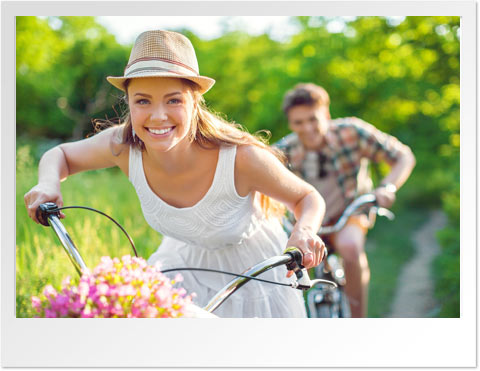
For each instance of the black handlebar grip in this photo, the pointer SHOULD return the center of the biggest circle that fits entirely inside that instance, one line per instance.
(44, 210)
(297, 257)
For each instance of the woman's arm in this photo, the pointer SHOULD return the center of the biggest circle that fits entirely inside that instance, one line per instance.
(257, 169)
(69, 158)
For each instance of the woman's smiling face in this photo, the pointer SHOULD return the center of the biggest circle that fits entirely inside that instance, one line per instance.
(161, 110)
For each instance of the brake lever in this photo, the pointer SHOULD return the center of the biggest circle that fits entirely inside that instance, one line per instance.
(325, 282)
(303, 281)
(385, 212)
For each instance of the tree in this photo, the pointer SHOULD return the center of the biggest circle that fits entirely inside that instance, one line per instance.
(60, 93)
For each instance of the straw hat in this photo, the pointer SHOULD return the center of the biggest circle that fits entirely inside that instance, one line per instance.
(162, 54)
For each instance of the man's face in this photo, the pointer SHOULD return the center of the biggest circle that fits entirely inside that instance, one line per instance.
(310, 123)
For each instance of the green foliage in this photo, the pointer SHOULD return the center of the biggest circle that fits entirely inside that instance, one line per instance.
(31, 54)
(61, 72)
(447, 271)
(446, 266)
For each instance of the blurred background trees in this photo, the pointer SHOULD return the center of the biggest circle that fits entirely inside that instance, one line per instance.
(400, 74)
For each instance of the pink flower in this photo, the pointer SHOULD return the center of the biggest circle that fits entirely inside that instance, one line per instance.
(83, 288)
(150, 312)
(117, 310)
(36, 303)
(116, 288)
(77, 306)
(66, 281)
(87, 312)
(49, 291)
(102, 289)
(163, 296)
(63, 312)
(136, 312)
(50, 313)
(145, 291)
(178, 278)
(126, 290)
(62, 300)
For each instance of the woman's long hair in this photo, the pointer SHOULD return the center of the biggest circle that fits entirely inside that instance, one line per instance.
(210, 130)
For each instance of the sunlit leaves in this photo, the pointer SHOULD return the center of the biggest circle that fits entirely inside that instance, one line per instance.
(308, 50)
(37, 45)
(393, 41)
(62, 63)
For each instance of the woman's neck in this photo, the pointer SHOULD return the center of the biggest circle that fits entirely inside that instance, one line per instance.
(179, 159)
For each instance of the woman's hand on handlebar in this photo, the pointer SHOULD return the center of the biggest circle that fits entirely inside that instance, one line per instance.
(42, 192)
(311, 246)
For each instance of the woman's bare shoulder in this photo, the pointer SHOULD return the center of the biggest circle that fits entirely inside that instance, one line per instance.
(119, 150)
(116, 143)
(249, 155)
(253, 162)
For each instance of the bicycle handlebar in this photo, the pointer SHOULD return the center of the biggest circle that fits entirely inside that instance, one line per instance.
(365, 199)
(292, 258)
(238, 282)
(368, 198)
(48, 215)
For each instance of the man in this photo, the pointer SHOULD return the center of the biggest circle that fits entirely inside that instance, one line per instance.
(333, 156)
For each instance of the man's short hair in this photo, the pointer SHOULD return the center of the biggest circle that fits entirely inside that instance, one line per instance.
(305, 93)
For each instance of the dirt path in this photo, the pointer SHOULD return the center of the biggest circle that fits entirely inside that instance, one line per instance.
(414, 296)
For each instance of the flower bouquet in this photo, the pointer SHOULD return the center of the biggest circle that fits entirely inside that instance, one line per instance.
(126, 287)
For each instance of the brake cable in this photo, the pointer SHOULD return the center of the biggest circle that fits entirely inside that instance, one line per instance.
(228, 273)
(51, 211)
(292, 284)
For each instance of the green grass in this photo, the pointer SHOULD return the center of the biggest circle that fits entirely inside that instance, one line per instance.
(446, 266)
(389, 247)
(40, 258)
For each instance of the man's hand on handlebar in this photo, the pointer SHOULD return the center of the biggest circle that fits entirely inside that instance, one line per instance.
(311, 246)
(385, 197)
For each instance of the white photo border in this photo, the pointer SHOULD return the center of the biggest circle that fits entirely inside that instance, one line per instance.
(432, 342)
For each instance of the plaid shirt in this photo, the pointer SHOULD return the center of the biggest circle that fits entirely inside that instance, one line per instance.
(350, 143)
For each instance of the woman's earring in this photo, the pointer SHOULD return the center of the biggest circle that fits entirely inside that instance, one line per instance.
(133, 133)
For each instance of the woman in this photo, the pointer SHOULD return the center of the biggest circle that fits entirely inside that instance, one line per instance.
(203, 183)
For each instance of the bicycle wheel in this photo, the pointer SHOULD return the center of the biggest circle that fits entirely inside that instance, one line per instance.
(344, 311)
(318, 306)
(324, 310)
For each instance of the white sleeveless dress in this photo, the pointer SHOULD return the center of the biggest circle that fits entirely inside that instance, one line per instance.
(222, 231)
